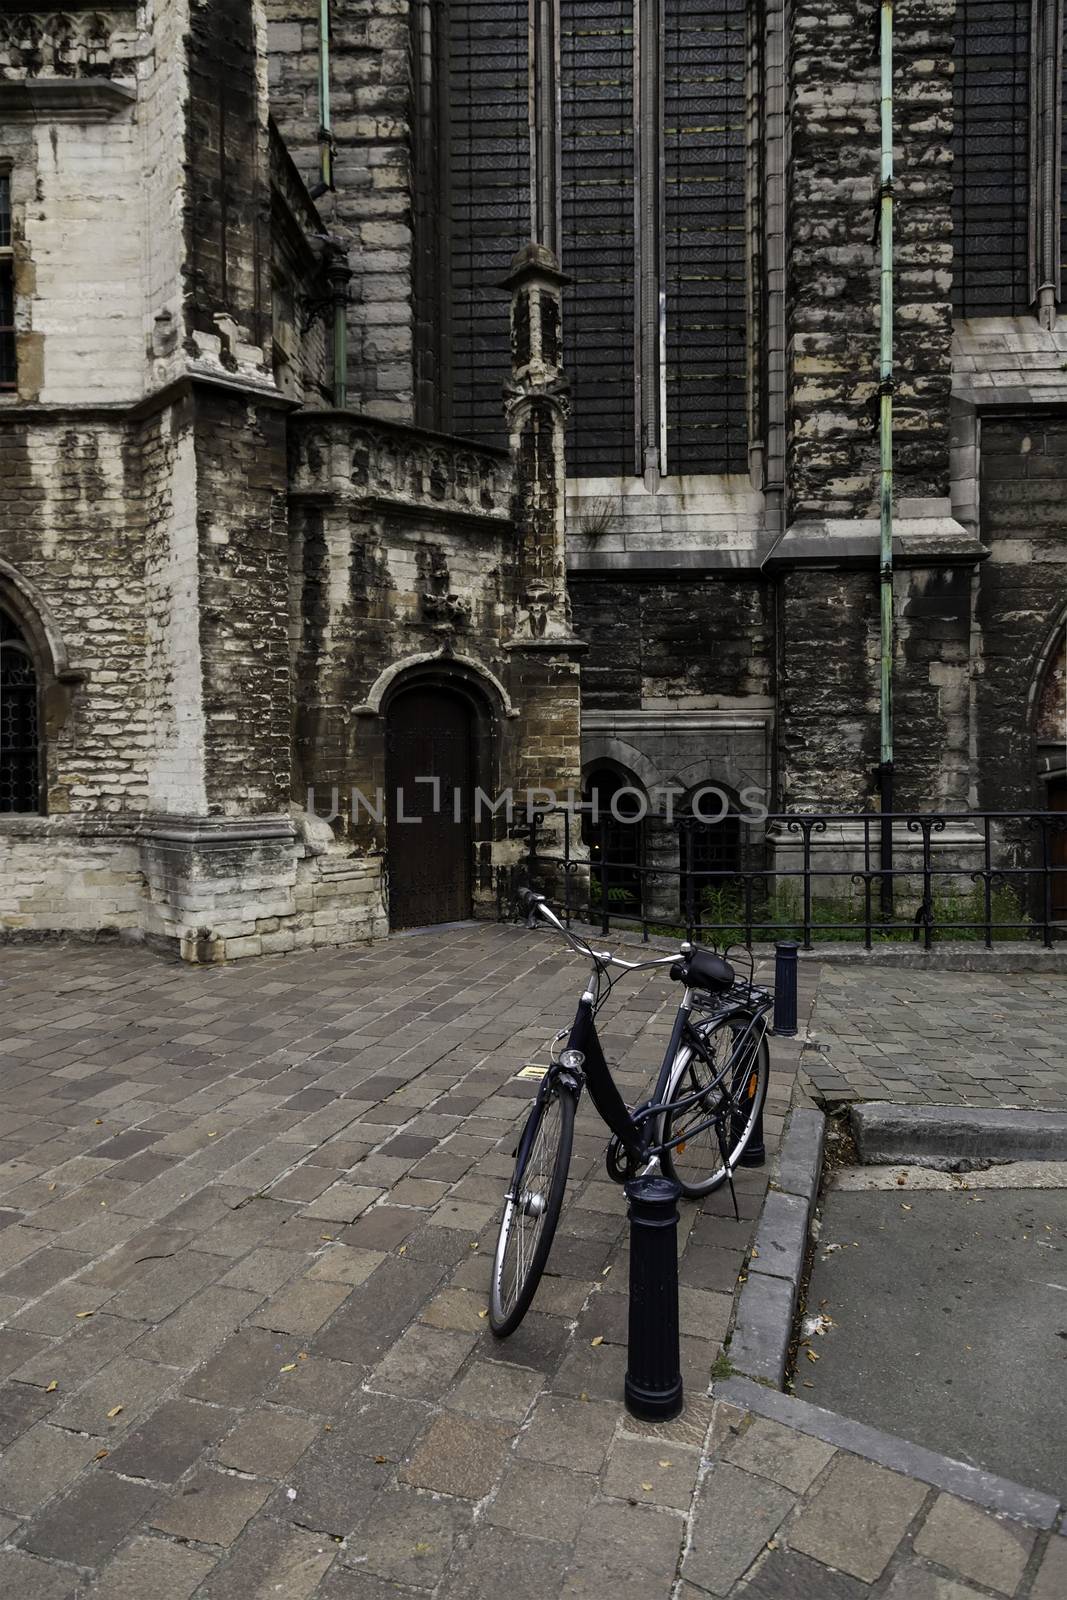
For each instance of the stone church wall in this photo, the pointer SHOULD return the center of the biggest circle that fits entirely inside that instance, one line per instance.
(372, 210)
(1022, 598)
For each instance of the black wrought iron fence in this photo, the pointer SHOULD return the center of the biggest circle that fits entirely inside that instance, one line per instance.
(920, 877)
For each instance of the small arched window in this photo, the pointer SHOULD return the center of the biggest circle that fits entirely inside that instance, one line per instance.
(612, 829)
(710, 859)
(20, 748)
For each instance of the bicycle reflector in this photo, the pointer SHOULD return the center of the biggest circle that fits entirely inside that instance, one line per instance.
(573, 1060)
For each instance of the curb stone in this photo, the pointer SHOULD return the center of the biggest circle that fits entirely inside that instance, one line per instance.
(929, 1135)
(763, 1323)
(981, 1488)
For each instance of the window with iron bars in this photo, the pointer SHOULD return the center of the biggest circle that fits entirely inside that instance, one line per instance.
(645, 206)
(1008, 211)
(8, 369)
(20, 748)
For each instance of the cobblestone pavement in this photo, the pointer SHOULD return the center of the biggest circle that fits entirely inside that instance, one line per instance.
(245, 1223)
(961, 1038)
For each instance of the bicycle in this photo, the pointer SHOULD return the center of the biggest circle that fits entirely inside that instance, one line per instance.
(711, 1087)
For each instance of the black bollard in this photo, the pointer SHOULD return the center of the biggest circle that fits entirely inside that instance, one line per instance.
(785, 988)
(653, 1370)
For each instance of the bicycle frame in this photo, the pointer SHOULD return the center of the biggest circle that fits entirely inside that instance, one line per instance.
(634, 1130)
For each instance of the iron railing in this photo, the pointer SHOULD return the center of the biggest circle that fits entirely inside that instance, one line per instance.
(982, 877)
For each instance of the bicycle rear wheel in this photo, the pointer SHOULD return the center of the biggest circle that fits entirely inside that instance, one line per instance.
(532, 1209)
(732, 1091)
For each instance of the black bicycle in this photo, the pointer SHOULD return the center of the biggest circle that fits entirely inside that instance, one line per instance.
(695, 1128)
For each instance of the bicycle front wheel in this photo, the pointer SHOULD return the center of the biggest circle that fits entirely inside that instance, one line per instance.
(732, 1085)
(531, 1210)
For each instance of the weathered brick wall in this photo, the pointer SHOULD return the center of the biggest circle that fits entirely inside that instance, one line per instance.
(834, 258)
(683, 643)
(161, 114)
(1022, 597)
(244, 627)
(69, 523)
(827, 689)
(302, 349)
(932, 688)
(922, 112)
(372, 208)
(59, 877)
(226, 257)
(81, 332)
(174, 712)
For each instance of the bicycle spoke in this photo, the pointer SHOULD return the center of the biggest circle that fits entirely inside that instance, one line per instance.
(712, 1132)
(528, 1210)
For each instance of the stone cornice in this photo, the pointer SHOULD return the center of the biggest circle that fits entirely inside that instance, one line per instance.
(63, 99)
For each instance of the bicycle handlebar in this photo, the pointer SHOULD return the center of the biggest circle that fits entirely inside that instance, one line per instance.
(535, 907)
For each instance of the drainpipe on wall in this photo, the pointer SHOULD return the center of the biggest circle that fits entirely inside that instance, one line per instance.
(335, 257)
(885, 391)
(325, 132)
(338, 276)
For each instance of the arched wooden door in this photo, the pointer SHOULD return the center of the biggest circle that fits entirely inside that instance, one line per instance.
(429, 735)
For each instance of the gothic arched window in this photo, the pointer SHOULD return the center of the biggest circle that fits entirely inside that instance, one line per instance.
(20, 749)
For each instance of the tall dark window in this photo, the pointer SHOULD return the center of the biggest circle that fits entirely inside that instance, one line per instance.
(20, 784)
(597, 160)
(8, 373)
(710, 859)
(614, 836)
(704, 206)
(485, 119)
(991, 158)
(1009, 211)
(651, 213)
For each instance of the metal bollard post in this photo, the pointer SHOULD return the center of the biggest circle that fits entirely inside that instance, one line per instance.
(785, 988)
(653, 1370)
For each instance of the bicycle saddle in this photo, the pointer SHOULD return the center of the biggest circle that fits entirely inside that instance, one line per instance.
(703, 969)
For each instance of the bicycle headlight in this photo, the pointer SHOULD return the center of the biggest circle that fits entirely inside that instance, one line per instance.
(572, 1059)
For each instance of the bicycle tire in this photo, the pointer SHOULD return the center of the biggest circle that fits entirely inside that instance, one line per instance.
(746, 1100)
(547, 1163)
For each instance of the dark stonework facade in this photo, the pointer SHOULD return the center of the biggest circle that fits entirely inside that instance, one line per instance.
(251, 546)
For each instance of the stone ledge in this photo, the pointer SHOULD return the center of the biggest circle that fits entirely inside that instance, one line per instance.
(63, 99)
(926, 539)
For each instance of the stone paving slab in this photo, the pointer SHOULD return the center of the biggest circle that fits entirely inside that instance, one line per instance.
(939, 1038)
(849, 1512)
(246, 1217)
